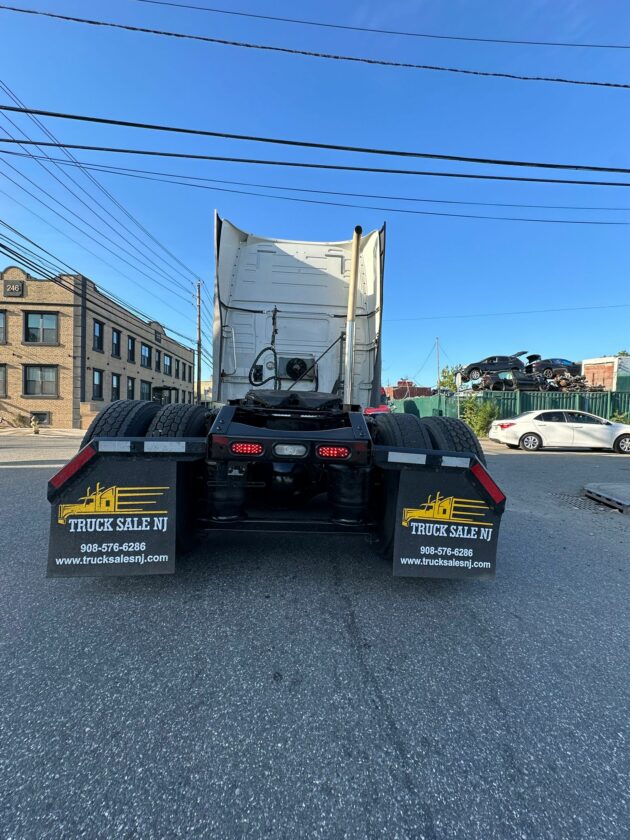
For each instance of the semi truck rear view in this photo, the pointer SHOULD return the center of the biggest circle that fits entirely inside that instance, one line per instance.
(296, 439)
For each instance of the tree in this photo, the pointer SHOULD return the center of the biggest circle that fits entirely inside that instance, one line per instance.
(447, 378)
(623, 353)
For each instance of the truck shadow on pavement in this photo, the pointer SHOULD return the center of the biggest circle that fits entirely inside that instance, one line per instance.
(273, 563)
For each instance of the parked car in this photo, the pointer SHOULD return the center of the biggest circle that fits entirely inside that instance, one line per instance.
(552, 367)
(493, 364)
(511, 380)
(534, 430)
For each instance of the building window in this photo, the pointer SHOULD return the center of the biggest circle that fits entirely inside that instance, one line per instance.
(131, 349)
(115, 386)
(41, 328)
(145, 356)
(176, 368)
(190, 373)
(158, 337)
(168, 365)
(97, 384)
(158, 359)
(116, 343)
(145, 390)
(97, 336)
(131, 388)
(183, 371)
(3, 327)
(3, 380)
(40, 380)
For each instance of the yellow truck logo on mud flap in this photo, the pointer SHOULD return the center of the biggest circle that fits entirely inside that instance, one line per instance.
(448, 509)
(124, 500)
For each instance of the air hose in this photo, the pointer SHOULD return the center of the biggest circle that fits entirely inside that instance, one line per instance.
(277, 385)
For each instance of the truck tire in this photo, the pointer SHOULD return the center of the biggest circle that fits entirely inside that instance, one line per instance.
(179, 420)
(183, 420)
(123, 418)
(454, 435)
(405, 431)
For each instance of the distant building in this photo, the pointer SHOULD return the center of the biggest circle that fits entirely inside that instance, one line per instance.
(613, 372)
(406, 389)
(206, 390)
(66, 350)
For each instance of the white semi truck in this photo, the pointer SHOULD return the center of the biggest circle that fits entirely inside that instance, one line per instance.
(296, 441)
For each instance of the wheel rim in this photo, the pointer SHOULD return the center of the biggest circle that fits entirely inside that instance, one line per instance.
(547, 373)
(624, 445)
(475, 374)
(530, 442)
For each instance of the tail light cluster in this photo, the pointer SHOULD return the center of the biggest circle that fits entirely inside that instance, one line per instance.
(246, 448)
(506, 425)
(254, 449)
(334, 453)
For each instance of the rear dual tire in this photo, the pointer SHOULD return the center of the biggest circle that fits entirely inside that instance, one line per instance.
(123, 418)
(179, 420)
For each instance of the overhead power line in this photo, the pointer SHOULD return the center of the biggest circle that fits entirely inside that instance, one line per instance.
(310, 144)
(512, 312)
(376, 31)
(93, 200)
(66, 235)
(116, 170)
(331, 166)
(131, 174)
(46, 268)
(84, 233)
(42, 161)
(404, 65)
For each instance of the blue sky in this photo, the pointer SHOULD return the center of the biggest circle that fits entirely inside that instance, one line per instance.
(435, 266)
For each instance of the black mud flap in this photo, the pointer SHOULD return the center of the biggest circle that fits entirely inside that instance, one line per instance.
(448, 514)
(116, 517)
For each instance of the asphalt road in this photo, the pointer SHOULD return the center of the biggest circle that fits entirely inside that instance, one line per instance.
(289, 688)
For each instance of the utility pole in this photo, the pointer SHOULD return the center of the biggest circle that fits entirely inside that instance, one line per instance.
(198, 342)
(437, 352)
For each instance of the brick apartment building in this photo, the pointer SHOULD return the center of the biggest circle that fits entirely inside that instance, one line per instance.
(66, 350)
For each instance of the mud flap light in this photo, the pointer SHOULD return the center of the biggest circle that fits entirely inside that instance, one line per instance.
(496, 494)
(73, 466)
(243, 448)
(334, 453)
(290, 450)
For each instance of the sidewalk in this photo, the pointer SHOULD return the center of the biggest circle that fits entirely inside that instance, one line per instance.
(44, 431)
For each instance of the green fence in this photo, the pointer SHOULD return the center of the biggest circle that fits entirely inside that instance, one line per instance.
(603, 403)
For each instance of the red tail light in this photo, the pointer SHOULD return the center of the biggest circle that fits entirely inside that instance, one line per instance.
(79, 460)
(242, 448)
(496, 494)
(334, 452)
(506, 425)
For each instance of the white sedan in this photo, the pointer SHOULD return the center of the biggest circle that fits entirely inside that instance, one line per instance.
(534, 429)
